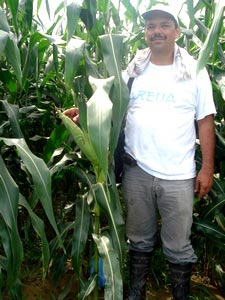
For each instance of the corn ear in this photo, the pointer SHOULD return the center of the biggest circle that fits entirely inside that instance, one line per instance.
(81, 138)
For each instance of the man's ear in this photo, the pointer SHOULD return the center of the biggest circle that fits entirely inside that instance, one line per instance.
(145, 34)
(177, 32)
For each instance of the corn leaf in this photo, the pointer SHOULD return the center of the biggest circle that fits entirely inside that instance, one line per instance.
(58, 135)
(4, 26)
(220, 219)
(73, 13)
(88, 287)
(220, 79)
(13, 55)
(74, 53)
(113, 288)
(81, 138)
(29, 13)
(3, 41)
(39, 228)
(9, 195)
(13, 115)
(190, 9)
(211, 230)
(9, 203)
(218, 203)
(13, 5)
(55, 242)
(99, 117)
(110, 209)
(112, 51)
(212, 36)
(41, 178)
(80, 233)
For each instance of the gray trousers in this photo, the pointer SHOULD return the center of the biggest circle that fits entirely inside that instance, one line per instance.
(147, 198)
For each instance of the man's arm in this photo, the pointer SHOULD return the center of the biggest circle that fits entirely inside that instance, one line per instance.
(204, 178)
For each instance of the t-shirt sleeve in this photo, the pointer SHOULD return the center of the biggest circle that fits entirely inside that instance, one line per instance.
(205, 102)
(125, 76)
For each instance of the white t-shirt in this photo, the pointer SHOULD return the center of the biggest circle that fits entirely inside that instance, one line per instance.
(160, 130)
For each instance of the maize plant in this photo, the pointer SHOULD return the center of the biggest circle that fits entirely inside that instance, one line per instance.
(57, 181)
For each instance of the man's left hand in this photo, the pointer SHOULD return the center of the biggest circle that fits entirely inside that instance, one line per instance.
(203, 183)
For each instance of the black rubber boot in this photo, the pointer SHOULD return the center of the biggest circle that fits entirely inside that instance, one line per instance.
(139, 269)
(180, 280)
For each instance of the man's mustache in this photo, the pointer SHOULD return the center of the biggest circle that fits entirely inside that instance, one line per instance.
(157, 37)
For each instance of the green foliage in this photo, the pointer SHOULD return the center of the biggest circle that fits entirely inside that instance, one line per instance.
(56, 177)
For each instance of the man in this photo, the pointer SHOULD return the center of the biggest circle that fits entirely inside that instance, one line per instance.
(167, 98)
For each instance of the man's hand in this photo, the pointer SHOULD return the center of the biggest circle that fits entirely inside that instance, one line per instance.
(204, 179)
(73, 114)
(203, 183)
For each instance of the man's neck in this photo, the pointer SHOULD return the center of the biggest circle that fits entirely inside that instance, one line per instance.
(162, 59)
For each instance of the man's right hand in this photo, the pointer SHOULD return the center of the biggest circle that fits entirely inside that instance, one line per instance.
(73, 114)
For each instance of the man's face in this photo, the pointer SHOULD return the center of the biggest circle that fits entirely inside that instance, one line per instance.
(161, 32)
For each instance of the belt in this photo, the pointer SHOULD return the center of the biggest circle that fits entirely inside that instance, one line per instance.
(129, 160)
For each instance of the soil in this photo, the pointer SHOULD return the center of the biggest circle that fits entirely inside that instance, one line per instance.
(36, 289)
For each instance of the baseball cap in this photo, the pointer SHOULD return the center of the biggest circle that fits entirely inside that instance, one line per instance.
(158, 8)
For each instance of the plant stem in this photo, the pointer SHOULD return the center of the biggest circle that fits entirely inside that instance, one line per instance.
(96, 255)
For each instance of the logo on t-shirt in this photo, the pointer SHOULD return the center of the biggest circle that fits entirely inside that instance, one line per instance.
(153, 96)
